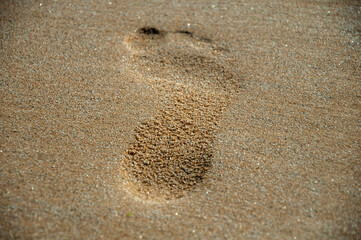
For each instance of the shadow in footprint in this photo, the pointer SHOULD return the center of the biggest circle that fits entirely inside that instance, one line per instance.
(172, 153)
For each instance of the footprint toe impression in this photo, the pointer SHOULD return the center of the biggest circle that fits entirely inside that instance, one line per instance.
(172, 152)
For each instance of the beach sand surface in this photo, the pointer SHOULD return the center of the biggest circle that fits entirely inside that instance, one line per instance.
(180, 119)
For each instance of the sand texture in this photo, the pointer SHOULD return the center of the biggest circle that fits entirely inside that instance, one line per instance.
(180, 119)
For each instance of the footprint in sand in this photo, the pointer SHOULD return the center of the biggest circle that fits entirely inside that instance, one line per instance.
(172, 152)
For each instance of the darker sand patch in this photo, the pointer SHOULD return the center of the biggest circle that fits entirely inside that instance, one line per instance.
(149, 31)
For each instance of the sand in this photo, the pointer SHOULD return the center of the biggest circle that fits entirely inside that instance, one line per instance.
(180, 120)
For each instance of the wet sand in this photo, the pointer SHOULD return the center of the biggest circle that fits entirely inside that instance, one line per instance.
(180, 120)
